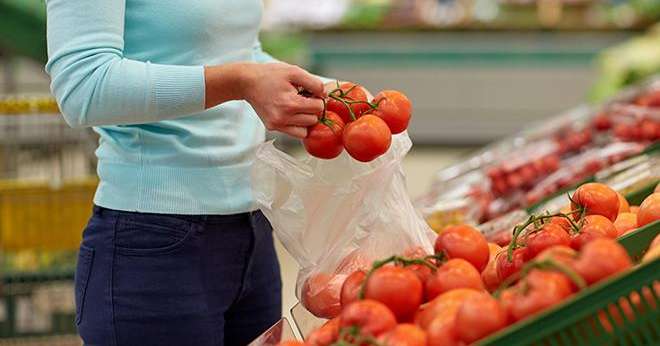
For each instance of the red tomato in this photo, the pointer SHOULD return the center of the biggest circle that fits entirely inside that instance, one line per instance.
(324, 140)
(464, 242)
(478, 317)
(602, 122)
(371, 317)
(404, 335)
(549, 235)
(448, 302)
(625, 222)
(598, 199)
(350, 290)
(320, 295)
(538, 291)
(600, 259)
(455, 273)
(356, 93)
(367, 138)
(624, 207)
(394, 108)
(650, 99)
(561, 222)
(649, 210)
(506, 268)
(559, 253)
(325, 335)
(442, 331)
(634, 209)
(595, 226)
(489, 274)
(387, 284)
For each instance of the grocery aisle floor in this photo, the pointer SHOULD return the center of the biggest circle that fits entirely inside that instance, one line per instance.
(420, 164)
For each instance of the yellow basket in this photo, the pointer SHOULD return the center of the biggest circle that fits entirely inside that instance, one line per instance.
(37, 216)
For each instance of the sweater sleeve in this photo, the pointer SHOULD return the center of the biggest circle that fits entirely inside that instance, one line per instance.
(94, 83)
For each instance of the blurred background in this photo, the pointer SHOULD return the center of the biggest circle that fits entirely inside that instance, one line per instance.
(475, 70)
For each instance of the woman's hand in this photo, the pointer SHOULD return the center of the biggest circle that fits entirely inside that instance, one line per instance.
(272, 90)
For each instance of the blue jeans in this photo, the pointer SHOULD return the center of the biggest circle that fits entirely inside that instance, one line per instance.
(155, 279)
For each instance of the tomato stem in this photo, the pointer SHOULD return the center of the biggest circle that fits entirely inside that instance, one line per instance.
(400, 260)
(533, 219)
(348, 106)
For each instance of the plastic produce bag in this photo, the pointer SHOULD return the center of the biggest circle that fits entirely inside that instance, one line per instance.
(337, 216)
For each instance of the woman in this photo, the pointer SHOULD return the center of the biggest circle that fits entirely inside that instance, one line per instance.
(174, 253)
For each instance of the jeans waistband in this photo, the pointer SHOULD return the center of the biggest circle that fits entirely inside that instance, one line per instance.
(201, 219)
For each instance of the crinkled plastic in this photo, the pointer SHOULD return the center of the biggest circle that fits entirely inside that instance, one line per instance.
(337, 216)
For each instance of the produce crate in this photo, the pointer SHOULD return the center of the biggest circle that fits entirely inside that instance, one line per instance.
(579, 320)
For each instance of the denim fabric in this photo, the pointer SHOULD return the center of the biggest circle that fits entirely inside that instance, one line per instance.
(160, 279)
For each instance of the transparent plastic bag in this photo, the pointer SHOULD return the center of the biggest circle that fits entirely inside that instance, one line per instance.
(337, 216)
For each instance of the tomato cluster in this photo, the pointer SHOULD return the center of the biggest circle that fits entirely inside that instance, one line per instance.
(469, 288)
(350, 121)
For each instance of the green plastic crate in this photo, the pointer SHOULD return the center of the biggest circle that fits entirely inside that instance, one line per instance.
(576, 321)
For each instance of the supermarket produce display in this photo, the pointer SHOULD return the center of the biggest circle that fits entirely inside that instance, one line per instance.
(380, 283)
(553, 264)
(520, 172)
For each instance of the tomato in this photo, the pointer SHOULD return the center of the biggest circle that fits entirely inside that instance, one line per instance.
(324, 140)
(354, 261)
(367, 138)
(562, 222)
(398, 288)
(291, 343)
(325, 335)
(394, 108)
(455, 273)
(448, 302)
(538, 291)
(651, 99)
(649, 210)
(478, 317)
(404, 335)
(657, 188)
(559, 253)
(598, 199)
(489, 274)
(549, 235)
(506, 268)
(634, 209)
(624, 206)
(595, 226)
(464, 242)
(320, 295)
(350, 290)
(600, 259)
(442, 331)
(371, 317)
(625, 222)
(356, 93)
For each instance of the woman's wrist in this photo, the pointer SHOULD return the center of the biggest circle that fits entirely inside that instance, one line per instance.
(228, 82)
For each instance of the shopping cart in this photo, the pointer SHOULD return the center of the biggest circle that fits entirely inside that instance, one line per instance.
(47, 183)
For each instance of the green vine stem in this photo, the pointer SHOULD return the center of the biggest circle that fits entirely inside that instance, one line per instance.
(534, 219)
(403, 261)
(350, 110)
(546, 264)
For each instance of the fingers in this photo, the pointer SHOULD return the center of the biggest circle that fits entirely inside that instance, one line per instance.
(307, 105)
(309, 82)
(294, 131)
(305, 120)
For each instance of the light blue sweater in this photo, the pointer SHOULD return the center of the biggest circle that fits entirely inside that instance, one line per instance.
(133, 69)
